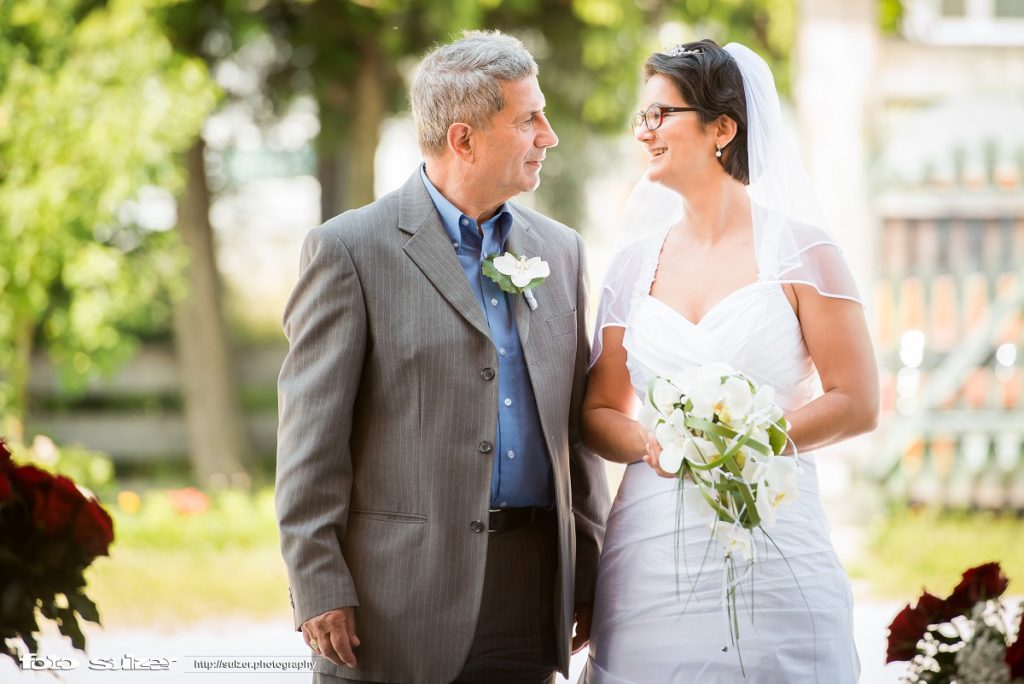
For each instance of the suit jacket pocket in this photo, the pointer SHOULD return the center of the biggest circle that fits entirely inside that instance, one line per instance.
(564, 324)
(387, 516)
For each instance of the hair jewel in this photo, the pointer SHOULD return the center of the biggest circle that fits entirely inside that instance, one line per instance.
(681, 49)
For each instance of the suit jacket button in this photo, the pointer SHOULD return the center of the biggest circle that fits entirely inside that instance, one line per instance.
(485, 447)
(476, 526)
(487, 373)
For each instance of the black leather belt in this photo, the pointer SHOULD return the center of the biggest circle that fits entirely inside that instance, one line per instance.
(508, 519)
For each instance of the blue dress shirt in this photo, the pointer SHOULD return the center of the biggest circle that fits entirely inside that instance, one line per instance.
(521, 473)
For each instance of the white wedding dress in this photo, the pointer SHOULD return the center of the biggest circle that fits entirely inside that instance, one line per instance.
(648, 628)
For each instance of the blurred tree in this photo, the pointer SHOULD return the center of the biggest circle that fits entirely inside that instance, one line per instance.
(218, 441)
(350, 55)
(94, 106)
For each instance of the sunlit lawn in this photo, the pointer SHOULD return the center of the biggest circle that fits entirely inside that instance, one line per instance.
(169, 568)
(908, 550)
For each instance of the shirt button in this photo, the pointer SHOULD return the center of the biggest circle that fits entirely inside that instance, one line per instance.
(485, 447)
(508, 402)
(502, 351)
(494, 302)
(465, 222)
(487, 374)
(476, 526)
(455, 245)
(511, 454)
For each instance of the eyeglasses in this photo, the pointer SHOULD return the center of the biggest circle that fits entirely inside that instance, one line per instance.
(655, 115)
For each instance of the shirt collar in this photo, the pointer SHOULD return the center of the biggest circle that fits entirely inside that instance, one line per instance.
(451, 217)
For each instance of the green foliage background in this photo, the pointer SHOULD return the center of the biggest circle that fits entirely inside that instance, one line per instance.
(94, 106)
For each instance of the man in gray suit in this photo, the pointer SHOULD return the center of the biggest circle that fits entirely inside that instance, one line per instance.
(439, 517)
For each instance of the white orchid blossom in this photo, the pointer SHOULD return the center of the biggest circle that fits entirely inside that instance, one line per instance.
(704, 387)
(671, 458)
(699, 450)
(735, 539)
(764, 399)
(522, 270)
(753, 470)
(665, 395)
(782, 476)
(677, 419)
(765, 509)
(734, 401)
(648, 416)
(668, 436)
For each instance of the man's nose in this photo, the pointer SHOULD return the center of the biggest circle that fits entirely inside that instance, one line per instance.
(546, 136)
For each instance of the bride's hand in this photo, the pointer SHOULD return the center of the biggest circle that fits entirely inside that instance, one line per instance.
(652, 452)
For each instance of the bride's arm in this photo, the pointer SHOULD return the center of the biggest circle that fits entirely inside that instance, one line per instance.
(837, 338)
(610, 401)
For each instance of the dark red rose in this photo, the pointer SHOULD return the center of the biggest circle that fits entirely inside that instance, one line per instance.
(54, 512)
(934, 609)
(93, 530)
(28, 478)
(984, 582)
(909, 626)
(6, 488)
(1015, 653)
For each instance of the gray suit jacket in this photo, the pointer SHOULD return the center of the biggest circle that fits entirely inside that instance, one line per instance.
(386, 397)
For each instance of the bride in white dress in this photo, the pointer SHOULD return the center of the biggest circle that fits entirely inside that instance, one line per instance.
(749, 276)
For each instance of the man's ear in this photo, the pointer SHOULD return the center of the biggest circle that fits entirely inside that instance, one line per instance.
(460, 141)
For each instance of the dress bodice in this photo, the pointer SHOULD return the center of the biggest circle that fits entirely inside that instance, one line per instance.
(754, 329)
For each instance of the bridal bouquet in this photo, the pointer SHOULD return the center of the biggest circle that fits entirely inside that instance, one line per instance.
(720, 430)
(963, 638)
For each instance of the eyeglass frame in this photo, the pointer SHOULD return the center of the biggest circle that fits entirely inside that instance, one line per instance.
(663, 110)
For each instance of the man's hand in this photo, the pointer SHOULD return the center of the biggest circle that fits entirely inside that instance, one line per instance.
(581, 616)
(333, 635)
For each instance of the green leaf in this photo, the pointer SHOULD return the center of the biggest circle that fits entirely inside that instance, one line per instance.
(84, 606)
(69, 627)
(776, 438)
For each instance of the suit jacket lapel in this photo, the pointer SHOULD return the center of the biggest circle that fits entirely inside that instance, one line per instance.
(521, 242)
(429, 247)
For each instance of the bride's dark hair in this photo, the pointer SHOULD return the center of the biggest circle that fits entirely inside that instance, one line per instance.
(708, 78)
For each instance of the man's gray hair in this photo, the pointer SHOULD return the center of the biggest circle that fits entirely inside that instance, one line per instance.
(461, 83)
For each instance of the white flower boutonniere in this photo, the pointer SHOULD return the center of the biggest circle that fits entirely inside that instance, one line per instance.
(517, 274)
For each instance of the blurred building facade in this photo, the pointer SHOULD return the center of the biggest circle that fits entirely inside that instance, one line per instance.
(916, 141)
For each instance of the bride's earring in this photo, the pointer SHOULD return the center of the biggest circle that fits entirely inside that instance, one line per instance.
(718, 151)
